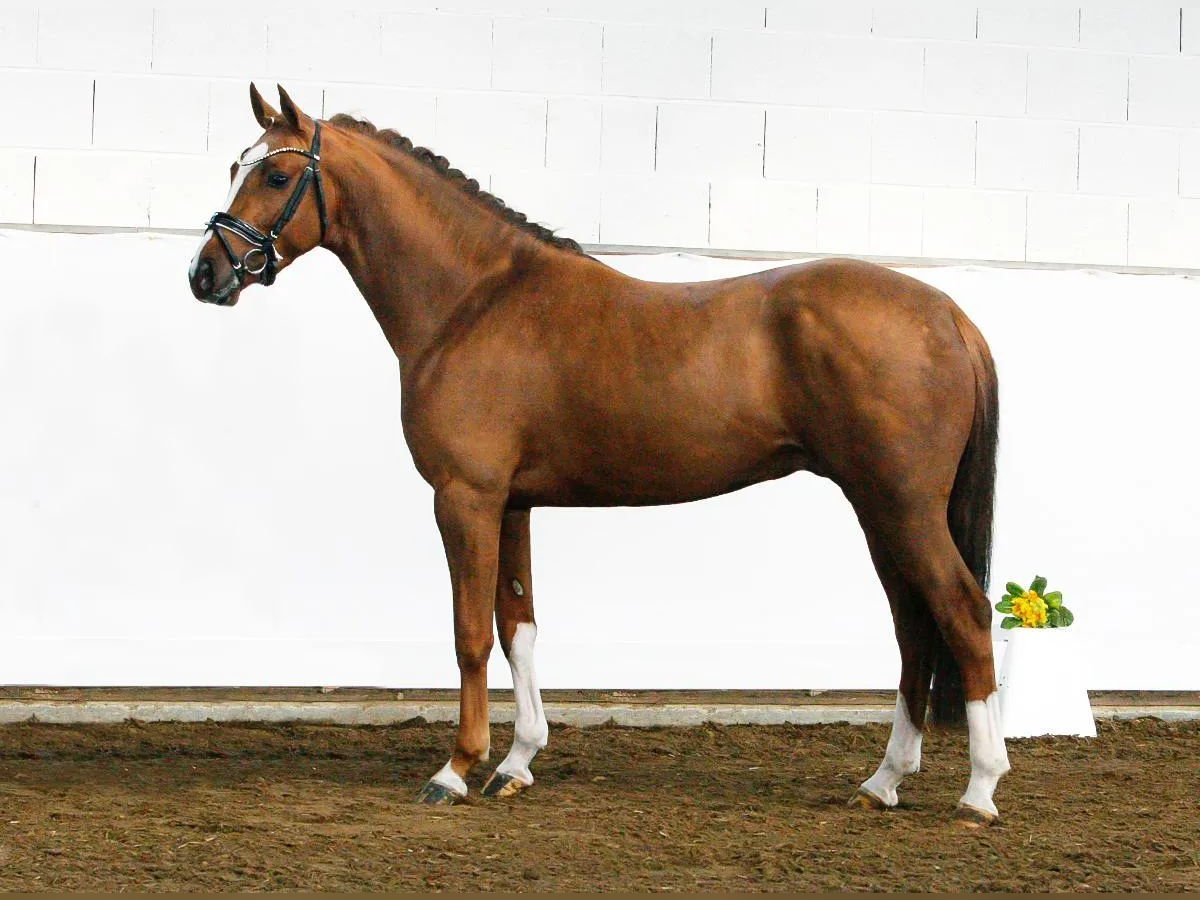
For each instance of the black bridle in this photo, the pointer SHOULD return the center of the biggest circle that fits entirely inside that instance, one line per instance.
(262, 259)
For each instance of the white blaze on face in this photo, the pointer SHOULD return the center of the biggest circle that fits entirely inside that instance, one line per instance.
(239, 178)
(531, 731)
(903, 757)
(989, 758)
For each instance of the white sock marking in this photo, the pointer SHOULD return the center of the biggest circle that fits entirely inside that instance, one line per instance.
(450, 779)
(531, 731)
(902, 757)
(989, 757)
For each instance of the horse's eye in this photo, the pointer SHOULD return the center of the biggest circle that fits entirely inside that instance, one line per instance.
(277, 179)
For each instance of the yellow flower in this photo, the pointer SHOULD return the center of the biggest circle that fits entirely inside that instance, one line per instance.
(1030, 608)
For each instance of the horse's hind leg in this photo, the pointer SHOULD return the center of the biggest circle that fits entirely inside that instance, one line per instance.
(924, 553)
(914, 627)
(518, 631)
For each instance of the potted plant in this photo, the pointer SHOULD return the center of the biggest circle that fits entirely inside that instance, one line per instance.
(1041, 681)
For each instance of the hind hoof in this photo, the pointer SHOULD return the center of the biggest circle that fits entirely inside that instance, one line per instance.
(501, 785)
(866, 800)
(435, 794)
(972, 818)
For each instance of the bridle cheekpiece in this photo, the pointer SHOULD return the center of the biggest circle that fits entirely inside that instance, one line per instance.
(262, 259)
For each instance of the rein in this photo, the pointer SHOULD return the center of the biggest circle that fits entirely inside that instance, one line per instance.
(262, 259)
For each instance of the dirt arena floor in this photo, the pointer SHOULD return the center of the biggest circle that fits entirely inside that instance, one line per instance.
(264, 807)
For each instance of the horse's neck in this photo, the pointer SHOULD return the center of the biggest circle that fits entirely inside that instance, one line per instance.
(415, 270)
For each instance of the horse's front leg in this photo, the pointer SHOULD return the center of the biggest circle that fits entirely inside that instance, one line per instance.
(469, 520)
(518, 631)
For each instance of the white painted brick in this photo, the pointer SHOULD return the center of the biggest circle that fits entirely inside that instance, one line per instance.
(328, 44)
(482, 133)
(88, 188)
(1077, 229)
(185, 190)
(1189, 164)
(628, 130)
(912, 148)
(1118, 159)
(138, 112)
(763, 215)
(18, 34)
(800, 70)
(192, 40)
(437, 51)
(1027, 155)
(546, 55)
(99, 36)
(1189, 41)
(1029, 24)
(974, 225)
(818, 145)
(231, 124)
(975, 78)
(573, 128)
(896, 217)
(949, 20)
(412, 113)
(710, 141)
(1164, 233)
(656, 61)
(843, 218)
(1074, 84)
(655, 210)
(1147, 27)
(45, 109)
(16, 186)
(561, 201)
(697, 13)
(851, 17)
(1160, 90)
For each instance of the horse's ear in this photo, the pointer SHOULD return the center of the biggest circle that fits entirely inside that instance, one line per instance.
(291, 111)
(263, 111)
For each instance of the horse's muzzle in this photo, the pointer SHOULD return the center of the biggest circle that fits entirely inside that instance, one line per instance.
(203, 283)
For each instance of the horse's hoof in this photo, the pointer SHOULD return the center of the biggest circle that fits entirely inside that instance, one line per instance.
(501, 785)
(866, 800)
(972, 818)
(435, 794)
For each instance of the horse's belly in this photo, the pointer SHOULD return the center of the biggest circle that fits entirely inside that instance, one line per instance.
(649, 476)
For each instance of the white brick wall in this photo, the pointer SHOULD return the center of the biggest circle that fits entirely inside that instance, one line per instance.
(1046, 132)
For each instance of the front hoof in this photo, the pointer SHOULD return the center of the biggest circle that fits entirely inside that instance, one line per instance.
(501, 785)
(863, 799)
(437, 794)
(973, 818)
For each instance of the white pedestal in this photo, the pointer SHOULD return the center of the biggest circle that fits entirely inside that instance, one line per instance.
(1041, 685)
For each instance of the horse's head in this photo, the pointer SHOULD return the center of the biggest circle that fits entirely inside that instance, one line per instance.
(275, 210)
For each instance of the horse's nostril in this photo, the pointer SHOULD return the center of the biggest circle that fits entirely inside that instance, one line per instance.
(204, 276)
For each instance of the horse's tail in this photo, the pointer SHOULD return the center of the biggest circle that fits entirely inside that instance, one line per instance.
(970, 514)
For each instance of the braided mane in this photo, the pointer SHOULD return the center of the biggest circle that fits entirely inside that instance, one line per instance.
(467, 185)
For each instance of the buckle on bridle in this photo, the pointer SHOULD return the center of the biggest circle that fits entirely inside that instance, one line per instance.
(250, 268)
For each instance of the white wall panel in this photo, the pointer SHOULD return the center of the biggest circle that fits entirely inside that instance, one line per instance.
(192, 495)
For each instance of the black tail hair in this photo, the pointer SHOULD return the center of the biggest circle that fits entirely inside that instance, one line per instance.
(970, 513)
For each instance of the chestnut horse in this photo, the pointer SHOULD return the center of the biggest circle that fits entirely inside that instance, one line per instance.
(534, 375)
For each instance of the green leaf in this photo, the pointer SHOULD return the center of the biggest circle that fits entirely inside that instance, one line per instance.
(1066, 617)
(1053, 599)
(1039, 585)
(1005, 605)
(1010, 622)
(1053, 618)
(1015, 589)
